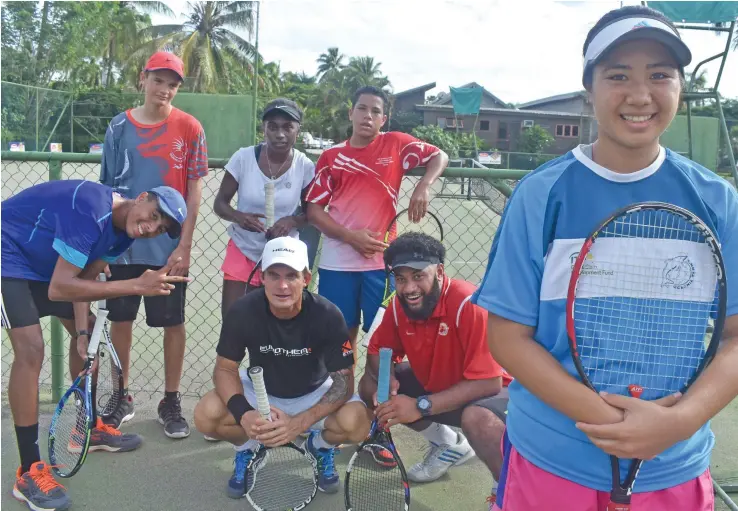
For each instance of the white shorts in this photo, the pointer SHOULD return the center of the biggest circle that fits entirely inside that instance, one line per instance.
(292, 405)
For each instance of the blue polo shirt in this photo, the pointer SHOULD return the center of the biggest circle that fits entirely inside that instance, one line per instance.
(72, 219)
(543, 227)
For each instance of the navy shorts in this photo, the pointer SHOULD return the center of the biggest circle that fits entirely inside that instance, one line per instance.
(356, 293)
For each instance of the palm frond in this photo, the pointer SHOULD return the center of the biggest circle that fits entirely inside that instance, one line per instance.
(150, 8)
(156, 31)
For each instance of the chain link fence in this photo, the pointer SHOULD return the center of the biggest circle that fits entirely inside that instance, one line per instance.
(469, 222)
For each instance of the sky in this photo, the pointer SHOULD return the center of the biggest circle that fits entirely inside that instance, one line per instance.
(519, 50)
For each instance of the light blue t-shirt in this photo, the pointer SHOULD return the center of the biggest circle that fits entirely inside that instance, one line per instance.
(550, 213)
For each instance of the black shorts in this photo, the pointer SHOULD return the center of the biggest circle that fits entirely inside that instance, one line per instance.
(26, 301)
(161, 311)
(410, 386)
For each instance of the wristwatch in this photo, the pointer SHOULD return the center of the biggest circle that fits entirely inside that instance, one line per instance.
(424, 405)
(83, 332)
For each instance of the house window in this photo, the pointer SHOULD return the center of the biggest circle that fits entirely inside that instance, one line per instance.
(452, 122)
(567, 130)
(483, 125)
(441, 122)
(502, 131)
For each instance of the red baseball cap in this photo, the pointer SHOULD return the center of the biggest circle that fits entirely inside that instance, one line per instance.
(166, 60)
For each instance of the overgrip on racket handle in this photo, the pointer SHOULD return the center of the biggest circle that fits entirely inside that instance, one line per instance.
(262, 400)
(269, 203)
(102, 316)
(385, 364)
(102, 304)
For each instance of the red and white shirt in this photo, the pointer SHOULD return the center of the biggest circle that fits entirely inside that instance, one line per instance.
(361, 187)
(448, 347)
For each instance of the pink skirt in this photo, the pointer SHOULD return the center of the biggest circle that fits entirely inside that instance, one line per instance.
(238, 267)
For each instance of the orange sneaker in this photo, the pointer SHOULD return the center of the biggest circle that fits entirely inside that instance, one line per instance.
(39, 490)
(107, 438)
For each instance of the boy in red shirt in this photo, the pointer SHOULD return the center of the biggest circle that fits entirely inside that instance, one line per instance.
(359, 180)
(450, 378)
(152, 145)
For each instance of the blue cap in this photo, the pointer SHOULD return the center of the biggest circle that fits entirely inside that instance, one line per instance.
(173, 205)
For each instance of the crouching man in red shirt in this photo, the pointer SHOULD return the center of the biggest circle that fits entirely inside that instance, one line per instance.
(450, 378)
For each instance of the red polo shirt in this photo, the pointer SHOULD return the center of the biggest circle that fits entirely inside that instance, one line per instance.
(448, 347)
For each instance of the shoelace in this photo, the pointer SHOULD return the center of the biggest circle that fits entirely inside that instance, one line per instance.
(327, 462)
(172, 410)
(242, 461)
(104, 428)
(433, 451)
(44, 479)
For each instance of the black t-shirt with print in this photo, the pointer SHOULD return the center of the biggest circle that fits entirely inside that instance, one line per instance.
(296, 354)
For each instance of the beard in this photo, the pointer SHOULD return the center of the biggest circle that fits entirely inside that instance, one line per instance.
(428, 303)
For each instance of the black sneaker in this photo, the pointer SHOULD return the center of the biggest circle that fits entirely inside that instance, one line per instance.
(170, 415)
(122, 414)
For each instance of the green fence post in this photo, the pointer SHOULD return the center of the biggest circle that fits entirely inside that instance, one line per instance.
(57, 340)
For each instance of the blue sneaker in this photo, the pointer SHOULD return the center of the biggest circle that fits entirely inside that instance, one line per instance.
(236, 485)
(327, 476)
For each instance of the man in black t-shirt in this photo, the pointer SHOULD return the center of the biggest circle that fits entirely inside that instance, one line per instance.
(302, 342)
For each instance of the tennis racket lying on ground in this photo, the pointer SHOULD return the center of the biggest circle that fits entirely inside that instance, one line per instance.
(400, 224)
(109, 372)
(643, 290)
(72, 423)
(369, 486)
(279, 478)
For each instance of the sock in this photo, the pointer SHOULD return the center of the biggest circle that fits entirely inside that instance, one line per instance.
(27, 446)
(440, 434)
(320, 443)
(249, 445)
(170, 396)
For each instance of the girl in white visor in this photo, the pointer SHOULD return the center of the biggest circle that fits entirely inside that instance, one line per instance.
(559, 432)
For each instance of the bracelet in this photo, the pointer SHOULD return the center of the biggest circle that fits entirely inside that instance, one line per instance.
(238, 406)
(83, 332)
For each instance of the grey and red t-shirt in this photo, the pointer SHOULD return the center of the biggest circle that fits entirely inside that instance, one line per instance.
(138, 157)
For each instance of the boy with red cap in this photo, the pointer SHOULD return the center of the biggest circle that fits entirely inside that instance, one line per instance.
(151, 145)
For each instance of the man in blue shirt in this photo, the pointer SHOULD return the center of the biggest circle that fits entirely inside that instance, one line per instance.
(56, 239)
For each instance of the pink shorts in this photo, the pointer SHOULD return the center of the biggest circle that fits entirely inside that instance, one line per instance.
(525, 487)
(238, 267)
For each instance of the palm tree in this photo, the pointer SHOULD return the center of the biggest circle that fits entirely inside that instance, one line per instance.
(127, 21)
(363, 71)
(207, 39)
(331, 62)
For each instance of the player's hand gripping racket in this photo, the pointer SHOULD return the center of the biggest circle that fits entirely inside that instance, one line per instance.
(643, 290)
(400, 224)
(109, 372)
(369, 486)
(72, 423)
(278, 478)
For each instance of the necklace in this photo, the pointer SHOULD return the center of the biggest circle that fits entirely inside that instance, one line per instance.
(269, 163)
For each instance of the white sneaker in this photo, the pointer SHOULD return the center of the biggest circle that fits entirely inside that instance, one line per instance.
(439, 459)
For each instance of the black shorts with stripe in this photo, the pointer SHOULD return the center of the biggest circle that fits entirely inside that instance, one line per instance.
(410, 386)
(25, 302)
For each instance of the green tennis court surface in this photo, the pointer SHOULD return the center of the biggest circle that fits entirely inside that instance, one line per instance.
(191, 474)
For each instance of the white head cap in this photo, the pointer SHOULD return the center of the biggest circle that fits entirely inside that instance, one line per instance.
(286, 250)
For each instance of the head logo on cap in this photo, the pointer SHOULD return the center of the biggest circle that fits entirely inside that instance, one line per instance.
(641, 24)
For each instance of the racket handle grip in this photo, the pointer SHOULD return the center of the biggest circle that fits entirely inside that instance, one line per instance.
(102, 316)
(383, 382)
(269, 203)
(102, 304)
(262, 400)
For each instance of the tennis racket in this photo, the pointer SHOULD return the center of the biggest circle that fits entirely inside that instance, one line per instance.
(430, 225)
(269, 203)
(644, 288)
(283, 478)
(73, 420)
(369, 486)
(109, 372)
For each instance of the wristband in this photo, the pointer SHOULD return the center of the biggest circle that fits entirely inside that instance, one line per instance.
(83, 332)
(238, 406)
